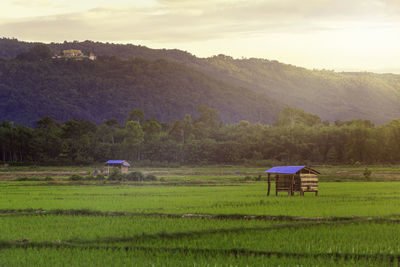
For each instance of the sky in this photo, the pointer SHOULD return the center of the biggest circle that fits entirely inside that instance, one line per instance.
(341, 35)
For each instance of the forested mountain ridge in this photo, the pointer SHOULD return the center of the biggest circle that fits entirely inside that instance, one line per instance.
(330, 95)
(109, 87)
(10, 48)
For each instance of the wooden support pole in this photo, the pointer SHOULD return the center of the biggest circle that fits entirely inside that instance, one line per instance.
(269, 183)
(301, 186)
(291, 186)
(276, 184)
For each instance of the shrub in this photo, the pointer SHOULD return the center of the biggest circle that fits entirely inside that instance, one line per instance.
(75, 177)
(134, 176)
(100, 177)
(247, 178)
(89, 177)
(34, 179)
(150, 177)
(367, 173)
(115, 175)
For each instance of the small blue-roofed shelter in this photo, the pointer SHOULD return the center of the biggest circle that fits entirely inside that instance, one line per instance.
(122, 164)
(293, 179)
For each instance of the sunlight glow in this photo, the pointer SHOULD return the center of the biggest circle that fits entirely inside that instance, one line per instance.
(361, 35)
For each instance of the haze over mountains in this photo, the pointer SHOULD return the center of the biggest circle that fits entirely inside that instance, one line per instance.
(242, 89)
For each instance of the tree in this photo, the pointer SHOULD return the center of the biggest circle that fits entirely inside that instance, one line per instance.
(47, 139)
(207, 123)
(24, 144)
(47, 122)
(134, 137)
(332, 155)
(291, 116)
(76, 128)
(38, 52)
(78, 139)
(112, 124)
(177, 131)
(136, 115)
(208, 116)
(7, 140)
(152, 129)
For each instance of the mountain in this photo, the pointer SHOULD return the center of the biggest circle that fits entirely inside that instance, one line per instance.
(33, 86)
(331, 95)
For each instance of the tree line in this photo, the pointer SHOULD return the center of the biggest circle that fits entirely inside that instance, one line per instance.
(296, 138)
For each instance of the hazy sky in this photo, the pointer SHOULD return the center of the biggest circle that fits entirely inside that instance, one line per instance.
(331, 34)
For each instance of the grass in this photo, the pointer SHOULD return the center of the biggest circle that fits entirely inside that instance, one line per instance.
(168, 257)
(224, 173)
(93, 229)
(184, 241)
(374, 199)
(205, 216)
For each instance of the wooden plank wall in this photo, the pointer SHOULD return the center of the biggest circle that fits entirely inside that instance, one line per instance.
(309, 182)
(284, 182)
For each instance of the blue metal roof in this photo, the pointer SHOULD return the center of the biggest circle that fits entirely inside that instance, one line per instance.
(123, 162)
(285, 169)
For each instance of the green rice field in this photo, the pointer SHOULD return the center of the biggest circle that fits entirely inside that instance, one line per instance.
(201, 217)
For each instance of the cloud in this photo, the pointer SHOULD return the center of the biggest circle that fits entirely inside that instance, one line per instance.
(288, 7)
(27, 3)
(187, 20)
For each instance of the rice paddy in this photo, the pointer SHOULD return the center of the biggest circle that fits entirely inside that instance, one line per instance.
(228, 223)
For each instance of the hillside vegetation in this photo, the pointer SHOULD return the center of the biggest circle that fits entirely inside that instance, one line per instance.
(33, 85)
(330, 95)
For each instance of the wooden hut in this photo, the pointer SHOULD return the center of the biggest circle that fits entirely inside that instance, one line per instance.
(293, 179)
(122, 164)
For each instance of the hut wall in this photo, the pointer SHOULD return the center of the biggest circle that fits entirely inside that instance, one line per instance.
(124, 169)
(309, 182)
(297, 183)
(283, 182)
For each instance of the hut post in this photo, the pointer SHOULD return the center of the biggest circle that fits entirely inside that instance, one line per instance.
(292, 186)
(300, 185)
(276, 184)
(269, 183)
